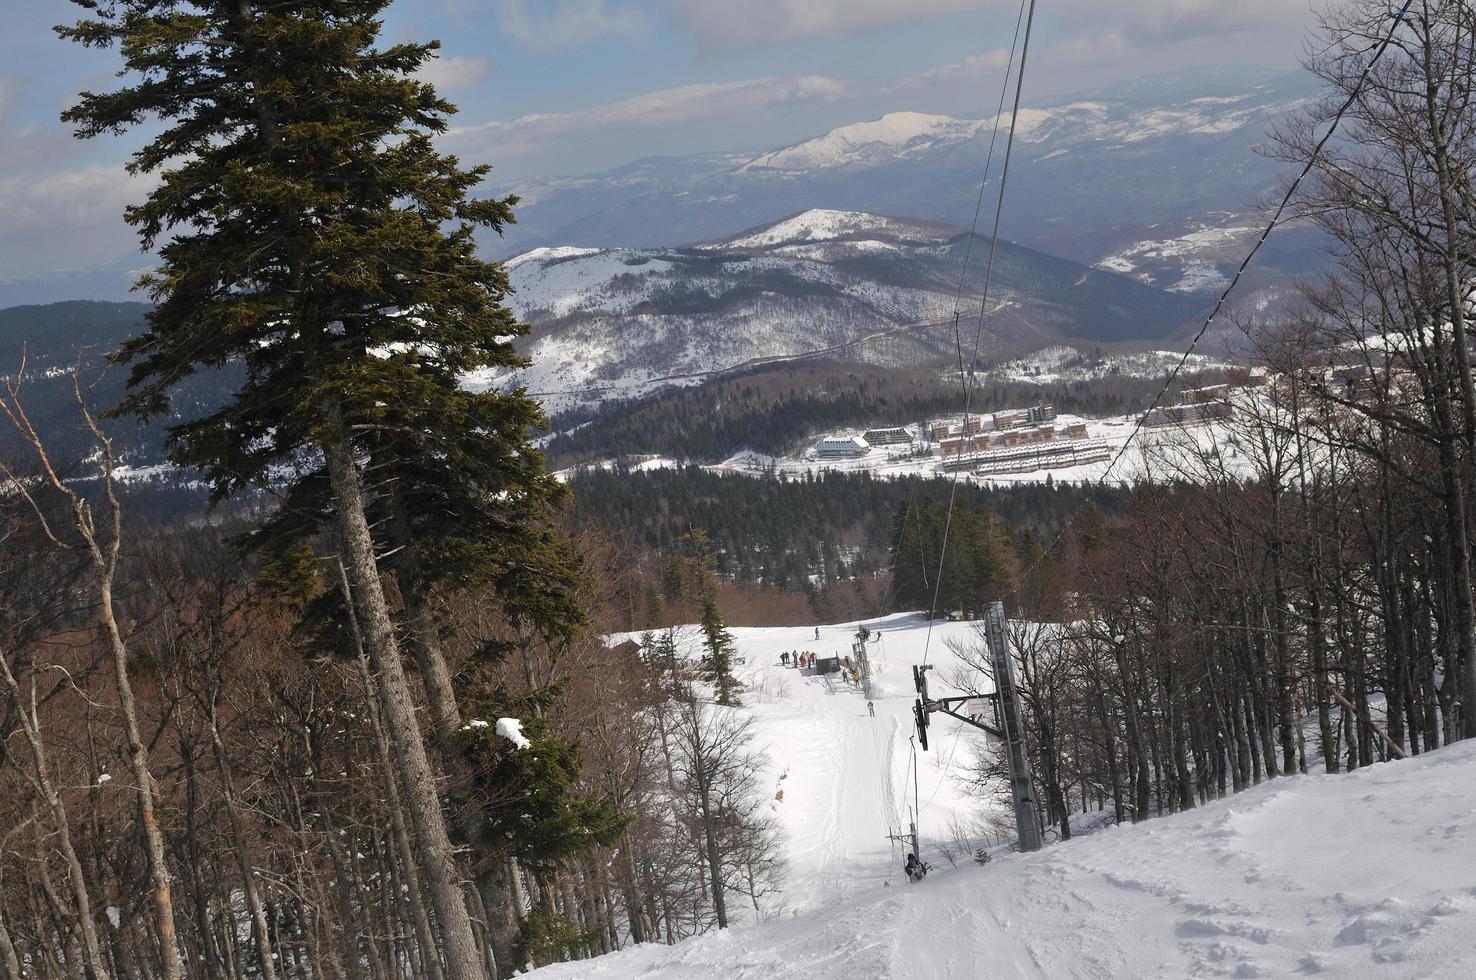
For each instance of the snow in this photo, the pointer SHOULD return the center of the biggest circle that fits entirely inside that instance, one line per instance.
(1189, 256)
(512, 730)
(846, 776)
(549, 283)
(639, 464)
(902, 135)
(1162, 451)
(889, 135)
(1369, 874)
(820, 224)
(548, 253)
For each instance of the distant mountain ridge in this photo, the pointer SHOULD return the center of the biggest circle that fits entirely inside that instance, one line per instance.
(1158, 178)
(614, 318)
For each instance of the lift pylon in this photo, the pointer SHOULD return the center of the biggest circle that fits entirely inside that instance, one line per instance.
(1008, 726)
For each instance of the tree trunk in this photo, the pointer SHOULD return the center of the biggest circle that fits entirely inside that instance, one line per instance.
(143, 780)
(714, 856)
(416, 897)
(422, 799)
(243, 856)
(25, 711)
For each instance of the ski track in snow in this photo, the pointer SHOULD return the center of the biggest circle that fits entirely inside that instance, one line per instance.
(1371, 874)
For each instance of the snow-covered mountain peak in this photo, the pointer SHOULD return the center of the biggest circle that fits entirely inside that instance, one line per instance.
(893, 134)
(826, 224)
(548, 253)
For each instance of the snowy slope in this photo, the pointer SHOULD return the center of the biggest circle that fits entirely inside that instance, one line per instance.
(606, 321)
(1371, 874)
(846, 776)
(858, 144)
(828, 224)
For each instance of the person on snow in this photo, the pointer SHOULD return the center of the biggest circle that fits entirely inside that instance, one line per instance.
(871, 709)
(914, 868)
(817, 632)
(784, 658)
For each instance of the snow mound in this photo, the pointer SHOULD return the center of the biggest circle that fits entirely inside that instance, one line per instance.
(512, 730)
(820, 225)
(548, 254)
(1370, 874)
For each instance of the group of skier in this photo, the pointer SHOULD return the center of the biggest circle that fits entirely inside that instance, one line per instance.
(797, 659)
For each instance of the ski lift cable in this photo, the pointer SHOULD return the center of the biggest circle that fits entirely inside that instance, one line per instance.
(1004, 89)
(1396, 19)
(968, 380)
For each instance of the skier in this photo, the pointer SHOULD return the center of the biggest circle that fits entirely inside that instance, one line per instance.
(871, 709)
(817, 632)
(914, 868)
(784, 658)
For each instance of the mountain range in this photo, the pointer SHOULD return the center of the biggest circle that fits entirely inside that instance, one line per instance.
(865, 287)
(1159, 178)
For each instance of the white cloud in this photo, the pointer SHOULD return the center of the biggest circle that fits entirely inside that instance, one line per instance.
(745, 23)
(448, 73)
(555, 23)
(740, 23)
(666, 107)
(1085, 48)
(1196, 18)
(974, 66)
(68, 218)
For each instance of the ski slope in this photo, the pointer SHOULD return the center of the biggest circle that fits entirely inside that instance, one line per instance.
(846, 776)
(1370, 874)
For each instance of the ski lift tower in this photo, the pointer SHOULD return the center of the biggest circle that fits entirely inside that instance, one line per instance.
(1012, 724)
(863, 663)
(1009, 722)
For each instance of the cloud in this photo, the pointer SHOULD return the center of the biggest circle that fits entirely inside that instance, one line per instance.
(974, 66)
(456, 71)
(1085, 48)
(557, 23)
(67, 218)
(744, 23)
(666, 107)
(11, 87)
(750, 23)
(24, 149)
(1198, 18)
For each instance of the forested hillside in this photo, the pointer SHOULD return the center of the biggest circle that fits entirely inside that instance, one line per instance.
(807, 533)
(777, 410)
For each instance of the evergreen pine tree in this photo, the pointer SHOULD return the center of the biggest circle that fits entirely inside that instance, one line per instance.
(719, 655)
(717, 663)
(318, 239)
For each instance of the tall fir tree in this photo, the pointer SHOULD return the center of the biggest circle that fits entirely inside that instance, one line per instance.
(719, 650)
(309, 231)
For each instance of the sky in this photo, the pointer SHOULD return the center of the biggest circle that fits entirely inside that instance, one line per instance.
(560, 87)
